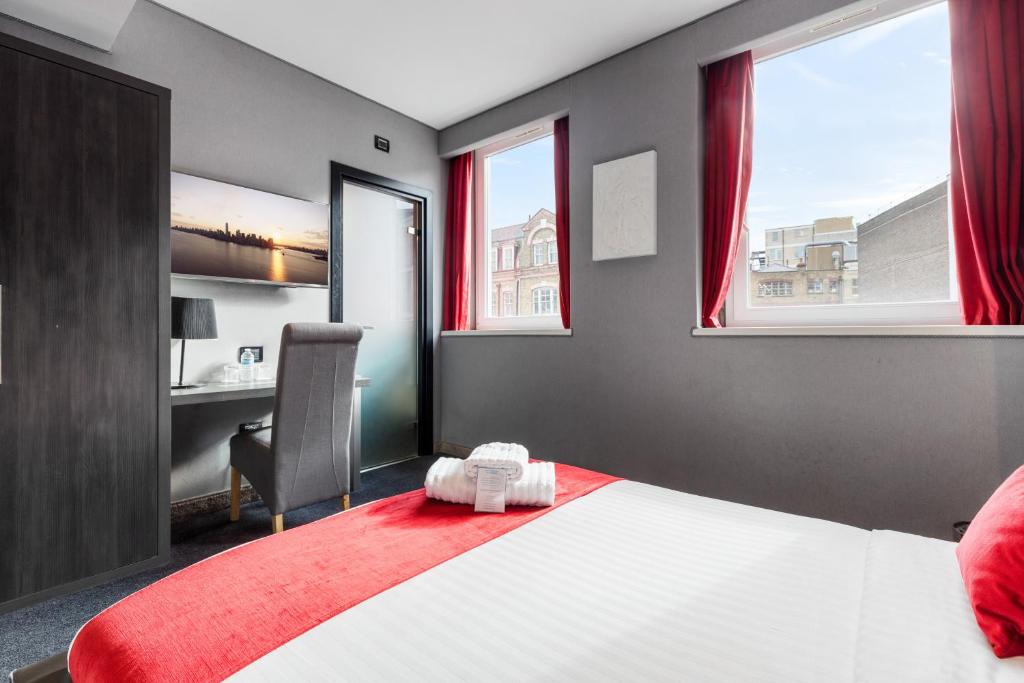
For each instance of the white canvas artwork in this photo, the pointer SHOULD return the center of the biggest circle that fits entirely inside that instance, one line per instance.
(626, 207)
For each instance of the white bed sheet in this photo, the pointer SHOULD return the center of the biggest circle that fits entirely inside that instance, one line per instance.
(636, 582)
(916, 624)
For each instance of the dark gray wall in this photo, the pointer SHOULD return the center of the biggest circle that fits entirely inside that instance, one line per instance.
(245, 117)
(908, 434)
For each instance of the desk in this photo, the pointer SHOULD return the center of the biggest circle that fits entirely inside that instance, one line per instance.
(219, 392)
(215, 392)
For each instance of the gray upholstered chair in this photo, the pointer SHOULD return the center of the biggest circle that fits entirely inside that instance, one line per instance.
(304, 457)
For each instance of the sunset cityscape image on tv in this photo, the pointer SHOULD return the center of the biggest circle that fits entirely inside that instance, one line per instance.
(226, 231)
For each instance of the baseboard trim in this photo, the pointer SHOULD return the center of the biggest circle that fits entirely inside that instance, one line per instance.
(453, 449)
(80, 584)
(182, 510)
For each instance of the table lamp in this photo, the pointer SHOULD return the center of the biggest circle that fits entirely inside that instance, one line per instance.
(191, 319)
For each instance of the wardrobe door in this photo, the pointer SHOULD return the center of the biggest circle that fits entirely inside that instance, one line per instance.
(80, 320)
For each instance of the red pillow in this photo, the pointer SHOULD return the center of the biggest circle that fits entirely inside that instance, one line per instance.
(991, 557)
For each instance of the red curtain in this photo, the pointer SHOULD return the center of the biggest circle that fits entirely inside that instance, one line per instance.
(562, 213)
(986, 181)
(728, 130)
(458, 243)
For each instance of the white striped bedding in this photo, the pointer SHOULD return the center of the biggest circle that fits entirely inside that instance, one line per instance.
(636, 582)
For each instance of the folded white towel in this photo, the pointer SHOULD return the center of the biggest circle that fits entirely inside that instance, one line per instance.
(510, 457)
(447, 481)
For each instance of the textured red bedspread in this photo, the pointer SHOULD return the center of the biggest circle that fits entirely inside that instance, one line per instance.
(209, 620)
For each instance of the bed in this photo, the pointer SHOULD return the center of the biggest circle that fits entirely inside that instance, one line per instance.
(619, 580)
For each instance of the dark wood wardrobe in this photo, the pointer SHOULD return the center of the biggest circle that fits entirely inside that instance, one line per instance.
(84, 339)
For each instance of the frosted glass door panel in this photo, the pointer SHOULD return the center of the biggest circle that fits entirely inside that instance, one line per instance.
(380, 292)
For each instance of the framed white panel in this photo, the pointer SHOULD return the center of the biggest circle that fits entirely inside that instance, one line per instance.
(626, 207)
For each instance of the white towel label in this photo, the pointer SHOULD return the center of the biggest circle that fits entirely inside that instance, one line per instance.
(490, 489)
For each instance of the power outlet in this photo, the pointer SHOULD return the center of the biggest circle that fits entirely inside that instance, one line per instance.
(257, 351)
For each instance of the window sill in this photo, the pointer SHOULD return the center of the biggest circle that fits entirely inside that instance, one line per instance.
(559, 332)
(979, 331)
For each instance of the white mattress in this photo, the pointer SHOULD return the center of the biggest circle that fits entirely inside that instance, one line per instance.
(635, 582)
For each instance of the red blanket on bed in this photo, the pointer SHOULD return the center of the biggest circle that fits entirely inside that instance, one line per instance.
(209, 620)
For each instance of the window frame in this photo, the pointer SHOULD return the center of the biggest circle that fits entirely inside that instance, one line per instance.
(508, 258)
(738, 309)
(538, 250)
(508, 299)
(482, 282)
(539, 289)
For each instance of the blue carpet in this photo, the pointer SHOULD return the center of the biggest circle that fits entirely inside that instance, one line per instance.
(33, 633)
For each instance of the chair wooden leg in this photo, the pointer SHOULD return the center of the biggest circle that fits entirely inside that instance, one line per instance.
(345, 502)
(236, 493)
(277, 522)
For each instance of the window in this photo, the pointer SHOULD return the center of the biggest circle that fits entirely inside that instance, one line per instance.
(545, 302)
(508, 304)
(850, 171)
(538, 254)
(514, 216)
(771, 288)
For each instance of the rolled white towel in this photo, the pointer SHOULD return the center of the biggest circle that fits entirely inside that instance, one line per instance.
(447, 480)
(510, 457)
(537, 487)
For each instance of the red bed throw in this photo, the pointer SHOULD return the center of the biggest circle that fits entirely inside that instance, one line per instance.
(210, 620)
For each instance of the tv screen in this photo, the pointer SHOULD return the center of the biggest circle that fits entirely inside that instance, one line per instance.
(225, 231)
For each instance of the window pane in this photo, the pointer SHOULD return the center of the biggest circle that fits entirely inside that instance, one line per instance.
(552, 251)
(848, 199)
(520, 198)
(538, 254)
(508, 253)
(545, 301)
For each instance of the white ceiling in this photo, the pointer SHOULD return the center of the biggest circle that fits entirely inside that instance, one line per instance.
(441, 61)
(94, 22)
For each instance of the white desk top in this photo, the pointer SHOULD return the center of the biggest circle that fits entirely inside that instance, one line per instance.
(215, 392)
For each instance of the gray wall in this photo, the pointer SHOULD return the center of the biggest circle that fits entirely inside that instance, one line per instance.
(244, 117)
(908, 434)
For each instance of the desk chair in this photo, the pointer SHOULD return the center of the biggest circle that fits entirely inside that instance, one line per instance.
(304, 457)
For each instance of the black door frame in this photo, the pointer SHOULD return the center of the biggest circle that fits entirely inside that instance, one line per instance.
(425, 333)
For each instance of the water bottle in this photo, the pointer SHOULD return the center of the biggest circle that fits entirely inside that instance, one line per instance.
(248, 361)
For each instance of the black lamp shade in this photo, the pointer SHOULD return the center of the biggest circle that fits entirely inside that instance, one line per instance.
(193, 318)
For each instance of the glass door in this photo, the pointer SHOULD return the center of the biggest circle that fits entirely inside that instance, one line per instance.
(380, 291)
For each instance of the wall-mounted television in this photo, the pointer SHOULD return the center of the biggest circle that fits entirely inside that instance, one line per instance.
(227, 232)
